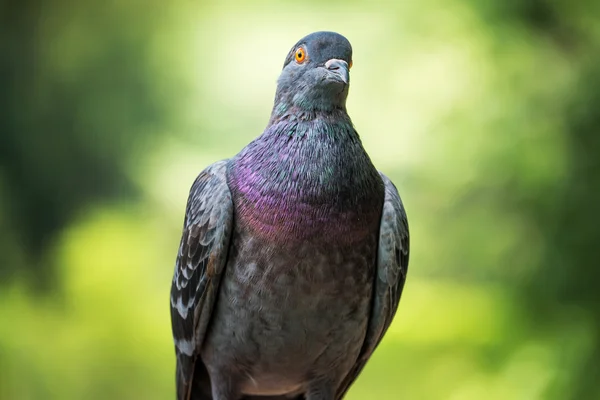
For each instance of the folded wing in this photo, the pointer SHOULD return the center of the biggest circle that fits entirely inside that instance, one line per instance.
(200, 263)
(392, 267)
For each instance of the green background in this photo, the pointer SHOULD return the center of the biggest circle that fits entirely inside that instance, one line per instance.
(484, 113)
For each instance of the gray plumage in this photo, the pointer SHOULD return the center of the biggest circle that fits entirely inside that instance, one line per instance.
(294, 252)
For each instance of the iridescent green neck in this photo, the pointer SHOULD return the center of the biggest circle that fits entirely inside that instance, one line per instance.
(305, 175)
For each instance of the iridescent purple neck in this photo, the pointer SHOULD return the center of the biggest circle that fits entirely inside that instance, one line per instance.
(307, 177)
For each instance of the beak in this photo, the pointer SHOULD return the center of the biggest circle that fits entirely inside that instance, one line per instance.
(339, 69)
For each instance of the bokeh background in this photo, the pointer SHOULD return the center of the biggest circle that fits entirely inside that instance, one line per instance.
(486, 114)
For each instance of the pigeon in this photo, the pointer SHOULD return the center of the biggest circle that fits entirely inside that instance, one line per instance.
(294, 252)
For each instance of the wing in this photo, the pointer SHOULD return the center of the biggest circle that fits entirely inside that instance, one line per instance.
(200, 262)
(392, 267)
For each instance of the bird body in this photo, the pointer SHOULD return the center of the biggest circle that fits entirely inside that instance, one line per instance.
(294, 252)
(296, 291)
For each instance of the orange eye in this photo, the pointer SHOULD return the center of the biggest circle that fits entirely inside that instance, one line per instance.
(350, 65)
(300, 55)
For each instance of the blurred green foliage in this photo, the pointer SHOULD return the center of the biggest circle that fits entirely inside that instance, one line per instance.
(485, 114)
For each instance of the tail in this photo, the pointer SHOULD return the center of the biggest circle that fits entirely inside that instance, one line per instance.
(193, 381)
(199, 387)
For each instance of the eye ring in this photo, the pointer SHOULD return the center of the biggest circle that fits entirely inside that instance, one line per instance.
(300, 55)
(350, 64)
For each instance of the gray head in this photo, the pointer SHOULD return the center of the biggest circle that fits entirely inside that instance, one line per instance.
(315, 74)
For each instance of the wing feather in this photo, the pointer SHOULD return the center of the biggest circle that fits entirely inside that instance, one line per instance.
(200, 262)
(392, 268)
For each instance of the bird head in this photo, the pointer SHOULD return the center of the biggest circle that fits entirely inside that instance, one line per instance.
(316, 74)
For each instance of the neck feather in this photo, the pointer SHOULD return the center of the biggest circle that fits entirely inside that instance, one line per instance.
(306, 175)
